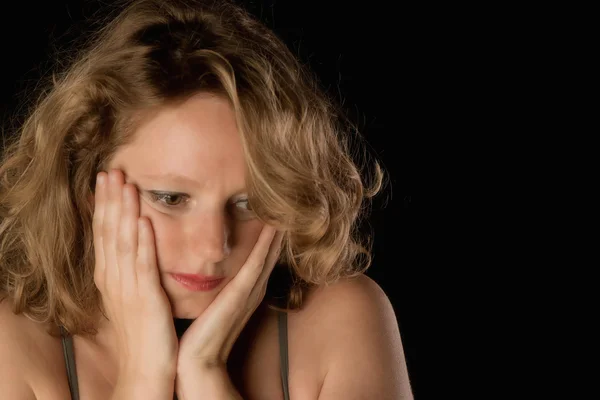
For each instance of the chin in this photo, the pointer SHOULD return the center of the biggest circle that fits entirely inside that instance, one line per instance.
(184, 305)
(187, 309)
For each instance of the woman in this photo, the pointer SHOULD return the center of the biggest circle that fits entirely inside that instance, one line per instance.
(182, 162)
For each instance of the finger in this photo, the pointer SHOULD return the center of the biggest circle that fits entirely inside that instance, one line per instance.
(248, 275)
(110, 227)
(271, 259)
(97, 221)
(146, 265)
(127, 242)
(258, 291)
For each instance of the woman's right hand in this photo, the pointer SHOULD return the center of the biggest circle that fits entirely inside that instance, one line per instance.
(127, 276)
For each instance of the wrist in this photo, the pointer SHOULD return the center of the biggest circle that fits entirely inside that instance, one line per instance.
(144, 387)
(148, 371)
(213, 382)
(148, 377)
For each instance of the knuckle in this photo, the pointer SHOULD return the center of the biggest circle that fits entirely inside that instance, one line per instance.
(144, 271)
(263, 291)
(108, 230)
(99, 282)
(124, 246)
(97, 226)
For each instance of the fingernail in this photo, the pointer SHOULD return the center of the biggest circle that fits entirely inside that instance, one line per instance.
(100, 179)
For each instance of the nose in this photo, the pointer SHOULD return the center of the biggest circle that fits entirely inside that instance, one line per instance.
(208, 239)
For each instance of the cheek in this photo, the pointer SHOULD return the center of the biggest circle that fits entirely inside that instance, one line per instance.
(168, 240)
(246, 235)
(168, 237)
(242, 242)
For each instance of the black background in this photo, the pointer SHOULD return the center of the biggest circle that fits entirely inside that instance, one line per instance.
(385, 62)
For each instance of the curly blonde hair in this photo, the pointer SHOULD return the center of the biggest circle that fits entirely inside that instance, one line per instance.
(154, 52)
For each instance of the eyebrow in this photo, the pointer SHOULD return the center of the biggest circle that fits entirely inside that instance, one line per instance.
(182, 179)
(171, 177)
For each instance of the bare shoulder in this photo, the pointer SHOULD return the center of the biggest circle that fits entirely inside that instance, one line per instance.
(351, 302)
(16, 342)
(359, 341)
(360, 291)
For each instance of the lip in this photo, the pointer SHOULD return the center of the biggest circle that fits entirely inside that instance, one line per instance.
(198, 283)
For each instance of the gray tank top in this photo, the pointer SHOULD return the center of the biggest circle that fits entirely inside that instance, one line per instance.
(69, 354)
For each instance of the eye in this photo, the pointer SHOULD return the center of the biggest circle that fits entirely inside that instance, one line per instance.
(247, 202)
(169, 200)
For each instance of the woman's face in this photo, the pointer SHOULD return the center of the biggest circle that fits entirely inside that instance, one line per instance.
(188, 165)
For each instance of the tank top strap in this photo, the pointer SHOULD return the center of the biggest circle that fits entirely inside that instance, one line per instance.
(69, 354)
(283, 353)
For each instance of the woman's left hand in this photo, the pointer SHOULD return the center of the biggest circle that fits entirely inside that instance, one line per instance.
(206, 344)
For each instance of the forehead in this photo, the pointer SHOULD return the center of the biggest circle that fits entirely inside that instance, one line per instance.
(197, 138)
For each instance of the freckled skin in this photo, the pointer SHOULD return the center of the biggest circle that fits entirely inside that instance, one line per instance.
(206, 231)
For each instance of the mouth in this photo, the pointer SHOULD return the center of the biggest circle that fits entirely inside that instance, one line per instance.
(198, 283)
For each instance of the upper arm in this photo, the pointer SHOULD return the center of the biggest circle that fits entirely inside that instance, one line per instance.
(363, 351)
(12, 382)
